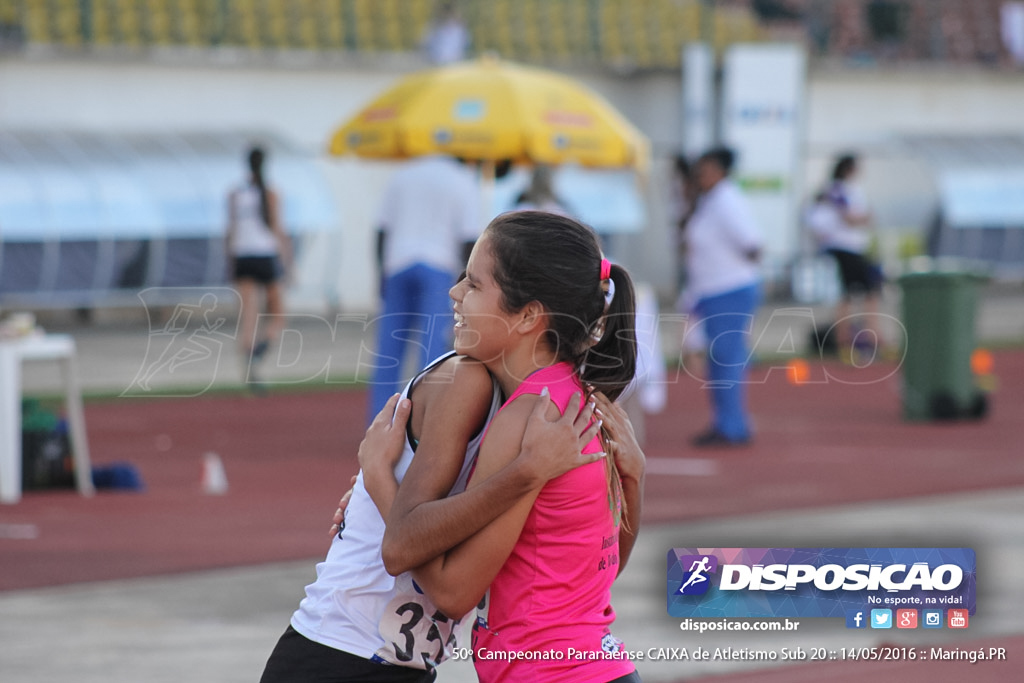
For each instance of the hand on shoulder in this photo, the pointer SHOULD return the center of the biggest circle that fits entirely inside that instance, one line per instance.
(542, 442)
(384, 441)
(620, 438)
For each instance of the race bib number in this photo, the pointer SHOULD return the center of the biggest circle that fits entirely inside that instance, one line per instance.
(482, 610)
(416, 634)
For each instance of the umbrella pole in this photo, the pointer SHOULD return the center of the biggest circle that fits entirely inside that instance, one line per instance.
(486, 192)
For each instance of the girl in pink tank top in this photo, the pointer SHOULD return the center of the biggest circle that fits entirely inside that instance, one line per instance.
(542, 309)
(552, 595)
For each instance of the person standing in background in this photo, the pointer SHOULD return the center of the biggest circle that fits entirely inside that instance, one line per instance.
(447, 39)
(682, 194)
(431, 210)
(682, 201)
(841, 222)
(723, 251)
(261, 258)
(540, 195)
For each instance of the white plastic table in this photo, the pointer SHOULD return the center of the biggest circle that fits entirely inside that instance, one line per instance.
(13, 352)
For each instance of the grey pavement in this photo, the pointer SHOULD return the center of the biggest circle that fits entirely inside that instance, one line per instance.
(219, 626)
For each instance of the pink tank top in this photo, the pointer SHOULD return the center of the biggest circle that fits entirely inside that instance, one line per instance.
(547, 614)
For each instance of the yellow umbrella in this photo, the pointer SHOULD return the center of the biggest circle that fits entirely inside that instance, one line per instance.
(491, 110)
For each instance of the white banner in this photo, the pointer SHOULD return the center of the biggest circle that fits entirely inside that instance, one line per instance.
(763, 122)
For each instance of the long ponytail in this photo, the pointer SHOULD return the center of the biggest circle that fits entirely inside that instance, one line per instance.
(610, 364)
(256, 157)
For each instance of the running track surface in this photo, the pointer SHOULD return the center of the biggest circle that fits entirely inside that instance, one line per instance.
(289, 456)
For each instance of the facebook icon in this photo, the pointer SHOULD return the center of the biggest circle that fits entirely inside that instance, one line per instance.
(855, 618)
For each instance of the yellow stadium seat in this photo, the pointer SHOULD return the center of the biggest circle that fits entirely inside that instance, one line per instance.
(504, 41)
(187, 23)
(554, 21)
(733, 25)
(420, 13)
(331, 25)
(362, 11)
(529, 33)
(273, 20)
(579, 32)
(243, 24)
(37, 23)
(482, 28)
(211, 23)
(391, 17)
(67, 23)
(9, 13)
(100, 27)
(635, 26)
(612, 48)
(158, 22)
(302, 24)
(691, 16)
(663, 29)
(129, 23)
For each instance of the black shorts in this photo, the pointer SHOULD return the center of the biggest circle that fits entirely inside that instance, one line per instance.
(262, 269)
(856, 272)
(297, 659)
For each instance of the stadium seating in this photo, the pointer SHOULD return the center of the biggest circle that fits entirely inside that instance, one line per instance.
(643, 34)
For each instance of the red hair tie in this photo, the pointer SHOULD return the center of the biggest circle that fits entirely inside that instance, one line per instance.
(606, 269)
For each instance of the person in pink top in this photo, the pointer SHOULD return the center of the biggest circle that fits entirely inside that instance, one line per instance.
(547, 316)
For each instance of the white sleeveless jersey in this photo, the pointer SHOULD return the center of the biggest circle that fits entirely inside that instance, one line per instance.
(251, 236)
(356, 606)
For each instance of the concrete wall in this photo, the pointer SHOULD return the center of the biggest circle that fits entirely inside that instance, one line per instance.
(303, 99)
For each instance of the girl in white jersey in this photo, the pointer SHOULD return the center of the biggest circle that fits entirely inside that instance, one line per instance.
(357, 622)
(260, 253)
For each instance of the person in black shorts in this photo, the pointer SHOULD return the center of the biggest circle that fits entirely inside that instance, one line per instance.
(264, 270)
(842, 226)
(260, 253)
(857, 273)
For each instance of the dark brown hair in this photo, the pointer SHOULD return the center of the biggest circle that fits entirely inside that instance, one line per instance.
(845, 166)
(556, 261)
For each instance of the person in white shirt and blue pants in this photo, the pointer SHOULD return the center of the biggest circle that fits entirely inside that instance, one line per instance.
(724, 245)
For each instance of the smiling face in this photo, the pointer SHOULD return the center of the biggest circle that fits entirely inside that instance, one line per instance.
(482, 326)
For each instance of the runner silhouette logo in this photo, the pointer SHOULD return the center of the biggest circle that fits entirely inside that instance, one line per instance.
(696, 580)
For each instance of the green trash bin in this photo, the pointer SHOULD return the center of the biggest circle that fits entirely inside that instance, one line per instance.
(939, 320)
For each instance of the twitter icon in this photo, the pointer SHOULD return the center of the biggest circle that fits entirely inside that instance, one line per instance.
(881, 618)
